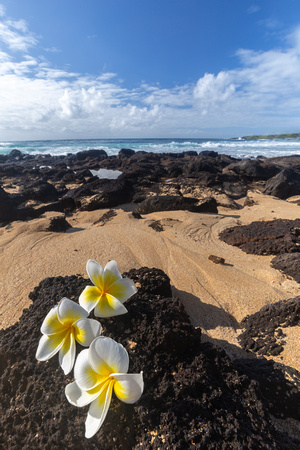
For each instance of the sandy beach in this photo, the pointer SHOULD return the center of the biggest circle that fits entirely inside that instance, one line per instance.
(216, 296)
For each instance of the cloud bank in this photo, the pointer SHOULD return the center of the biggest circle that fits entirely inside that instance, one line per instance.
(38, 101)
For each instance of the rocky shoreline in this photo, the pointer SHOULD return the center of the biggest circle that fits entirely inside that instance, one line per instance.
(194, 393)
(31, 185)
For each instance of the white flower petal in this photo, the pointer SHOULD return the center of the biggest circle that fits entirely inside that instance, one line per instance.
(86, 330)
(51, 324)
(49, 346)
(84, 374)
(128, 387)
(80, 398)
(95, 272)
(109, 306)
(98, 411)
(89, 297)
(123, 289)
(68, 311)
(111, 274)
(67, 354)
(106, 356)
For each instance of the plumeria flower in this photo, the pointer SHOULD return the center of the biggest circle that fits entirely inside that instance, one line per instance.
(109, 292)
(98, 372)
(64, 324)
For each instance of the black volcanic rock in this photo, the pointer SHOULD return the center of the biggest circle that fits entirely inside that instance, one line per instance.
(58, 224)
(52, 179)
(253, 169)
(278, 384)
(263, 332)
(265, 238)
(126, 152)
(200, 164)
(87, 154)
(283, 185)
(7, 209)
(112, 193)
(39, 190)
(193, 393)
(174, 203)
(289, 264)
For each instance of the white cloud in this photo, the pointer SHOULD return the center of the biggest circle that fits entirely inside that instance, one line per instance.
(215, 89)
(38, 101)
(15, 34)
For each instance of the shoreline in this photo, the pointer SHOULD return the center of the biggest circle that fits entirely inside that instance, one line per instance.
(164, 212)
(217, 297)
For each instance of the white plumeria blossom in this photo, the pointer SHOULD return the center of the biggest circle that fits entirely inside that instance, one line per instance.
(109, 292)
(98, 372)
(64, 324)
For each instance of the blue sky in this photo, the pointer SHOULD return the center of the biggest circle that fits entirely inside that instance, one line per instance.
(148, 68)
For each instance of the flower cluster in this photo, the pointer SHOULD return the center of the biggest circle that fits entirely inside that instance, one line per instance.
(102, 367)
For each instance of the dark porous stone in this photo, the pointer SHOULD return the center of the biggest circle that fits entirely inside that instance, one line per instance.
(193, 393)
(39, 190)
(206, 205)
(284, 185)
(126, 152)
(235, 189)
(112, 193)
(199, 164)
(7, 209)
(86, 154)
(174, 203)
(289, 264)
(275, 378)
(262, 335)
(253, 169)
(58, 224)
(209, 153)
(16, 154)
(264, 238)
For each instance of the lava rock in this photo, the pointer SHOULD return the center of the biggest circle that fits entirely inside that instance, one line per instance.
(126, 152)
(58, 224)
(253, 169)
(262, 335)
(193, 393)
(7, 208)
(86, 154)
(289, 264)
(284, 185)
(39, 190)
(174, 203)
(264, 238)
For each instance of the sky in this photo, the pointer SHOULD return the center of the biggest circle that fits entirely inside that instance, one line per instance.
(73, 69)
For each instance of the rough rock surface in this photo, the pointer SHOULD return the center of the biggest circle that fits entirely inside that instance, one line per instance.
(283, 185)
(289, 264)
(265, 238)
(173, 203)
(194, 395)
(264, 332)
(65, 182)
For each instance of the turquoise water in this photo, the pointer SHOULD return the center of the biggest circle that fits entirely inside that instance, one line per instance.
(238, 148)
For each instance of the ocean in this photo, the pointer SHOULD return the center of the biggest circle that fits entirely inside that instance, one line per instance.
(239, 148)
